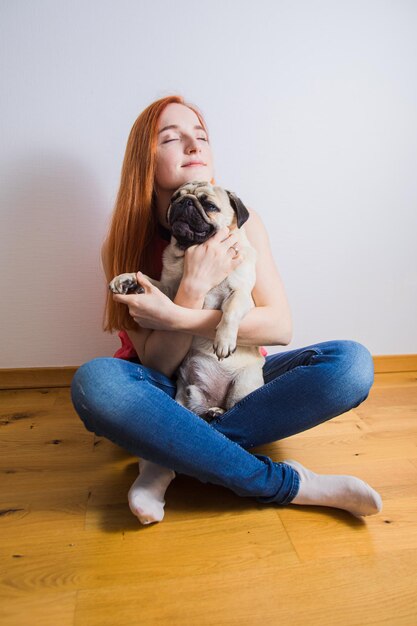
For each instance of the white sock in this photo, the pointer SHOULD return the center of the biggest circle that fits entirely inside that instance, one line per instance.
(146, 495)
(336, 490)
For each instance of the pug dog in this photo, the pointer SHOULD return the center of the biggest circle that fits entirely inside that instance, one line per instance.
(212, 377)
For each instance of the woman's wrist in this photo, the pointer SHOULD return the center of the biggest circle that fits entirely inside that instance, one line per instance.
(187, 295)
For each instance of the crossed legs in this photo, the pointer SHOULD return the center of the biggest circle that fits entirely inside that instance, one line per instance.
(303, 388)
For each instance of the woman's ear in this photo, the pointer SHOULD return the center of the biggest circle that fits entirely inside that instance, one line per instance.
(242, 214)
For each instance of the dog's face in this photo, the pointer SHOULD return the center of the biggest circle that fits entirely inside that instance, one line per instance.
(199, 209)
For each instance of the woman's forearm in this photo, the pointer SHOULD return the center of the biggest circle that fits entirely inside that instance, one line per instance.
(166, 349)
(260, 326)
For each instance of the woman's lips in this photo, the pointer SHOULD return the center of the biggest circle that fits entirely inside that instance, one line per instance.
(194, 165)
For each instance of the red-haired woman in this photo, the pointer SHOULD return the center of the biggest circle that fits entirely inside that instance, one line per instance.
(130, 399)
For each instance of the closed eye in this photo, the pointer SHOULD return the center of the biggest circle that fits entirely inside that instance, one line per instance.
(168, 140)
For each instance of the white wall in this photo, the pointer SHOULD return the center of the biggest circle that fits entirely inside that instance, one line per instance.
(311, 107)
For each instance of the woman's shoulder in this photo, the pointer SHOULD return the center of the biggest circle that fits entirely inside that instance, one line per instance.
(269, 288)
(254, 220)
(255, 229)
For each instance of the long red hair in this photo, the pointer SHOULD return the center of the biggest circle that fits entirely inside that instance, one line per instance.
(134, 222)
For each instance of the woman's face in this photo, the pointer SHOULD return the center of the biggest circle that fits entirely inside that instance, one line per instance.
(175, 148)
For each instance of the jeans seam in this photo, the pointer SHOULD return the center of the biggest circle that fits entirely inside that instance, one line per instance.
(158, 382)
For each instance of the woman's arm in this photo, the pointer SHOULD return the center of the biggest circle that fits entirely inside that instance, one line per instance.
(261, 326)
(162, 350)
(166, 349)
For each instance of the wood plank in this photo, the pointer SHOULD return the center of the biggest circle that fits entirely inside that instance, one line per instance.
(31, 607)
(354, 591)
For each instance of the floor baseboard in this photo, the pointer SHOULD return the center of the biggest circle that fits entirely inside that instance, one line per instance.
(38, 377)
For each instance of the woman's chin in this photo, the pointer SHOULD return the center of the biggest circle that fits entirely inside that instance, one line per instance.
(195, 174)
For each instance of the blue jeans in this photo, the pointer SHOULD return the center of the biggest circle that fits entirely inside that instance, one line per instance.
(134, 407)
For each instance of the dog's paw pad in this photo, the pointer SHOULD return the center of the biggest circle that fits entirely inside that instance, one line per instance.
(125, 283)
(214, 412)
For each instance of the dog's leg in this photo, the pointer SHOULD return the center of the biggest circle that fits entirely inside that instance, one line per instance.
(194, 400)
(234, 310)
(202, 385)
(246, 380)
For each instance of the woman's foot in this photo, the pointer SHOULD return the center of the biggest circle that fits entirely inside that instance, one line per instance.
(146, 495)
(336, 490)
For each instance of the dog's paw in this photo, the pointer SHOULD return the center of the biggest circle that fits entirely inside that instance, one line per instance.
(224, 344)
(212, 413)
(125, 283)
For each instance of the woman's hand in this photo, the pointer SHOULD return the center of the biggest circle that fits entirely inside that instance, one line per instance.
(152, 309)
(208, 264)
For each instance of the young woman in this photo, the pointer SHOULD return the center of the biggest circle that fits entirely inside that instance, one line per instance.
(130, 399)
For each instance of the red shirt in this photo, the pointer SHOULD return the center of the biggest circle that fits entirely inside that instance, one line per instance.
(127, 350)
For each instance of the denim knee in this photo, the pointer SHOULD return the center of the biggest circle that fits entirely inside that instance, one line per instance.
(85, 384)
(90, 372)
(359, 373)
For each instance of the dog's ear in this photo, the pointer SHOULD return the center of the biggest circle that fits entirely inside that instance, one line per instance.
(242, 214)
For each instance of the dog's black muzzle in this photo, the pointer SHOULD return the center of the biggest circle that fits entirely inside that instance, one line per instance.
(189, 221)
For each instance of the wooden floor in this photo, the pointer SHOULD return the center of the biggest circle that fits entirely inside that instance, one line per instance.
(72, 552)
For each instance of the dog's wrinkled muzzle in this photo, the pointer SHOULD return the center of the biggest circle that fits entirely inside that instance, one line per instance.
(189, 221)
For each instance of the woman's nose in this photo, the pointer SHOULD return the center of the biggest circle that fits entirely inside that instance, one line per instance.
(193, 145)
